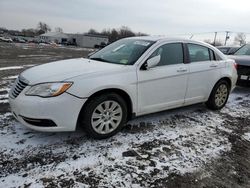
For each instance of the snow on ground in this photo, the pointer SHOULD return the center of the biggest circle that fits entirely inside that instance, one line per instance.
(15, 67)
(4, 95)
(10, 77)
(247, 136)
(147, 150)
(9, 68)
(35, 55)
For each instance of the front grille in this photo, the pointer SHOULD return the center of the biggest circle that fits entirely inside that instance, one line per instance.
(243, 70)
(18, 87)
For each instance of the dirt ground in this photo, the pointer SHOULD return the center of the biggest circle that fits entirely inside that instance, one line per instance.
(187, 147)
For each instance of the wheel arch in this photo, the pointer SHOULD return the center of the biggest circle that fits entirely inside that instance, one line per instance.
(120, 92)
(227, 79)
(211, 102)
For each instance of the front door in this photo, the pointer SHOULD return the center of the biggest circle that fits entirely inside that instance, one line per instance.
(163, 86)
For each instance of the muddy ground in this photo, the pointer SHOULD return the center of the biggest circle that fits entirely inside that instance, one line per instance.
(188, 147)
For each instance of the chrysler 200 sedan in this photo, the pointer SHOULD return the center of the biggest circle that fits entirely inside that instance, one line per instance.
(128, 78)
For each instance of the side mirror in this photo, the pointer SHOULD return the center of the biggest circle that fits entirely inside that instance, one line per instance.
(152, 62)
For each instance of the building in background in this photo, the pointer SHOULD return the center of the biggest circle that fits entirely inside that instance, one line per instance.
(81, 40)
(88, 40)
(57, 37)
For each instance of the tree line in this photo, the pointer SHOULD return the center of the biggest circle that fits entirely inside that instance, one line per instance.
(116, 34)
(31, 32)
(113, 34)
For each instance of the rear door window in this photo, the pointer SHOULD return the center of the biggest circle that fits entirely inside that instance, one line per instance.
(198, 53)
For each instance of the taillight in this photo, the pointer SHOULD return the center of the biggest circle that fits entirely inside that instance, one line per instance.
(235, 65)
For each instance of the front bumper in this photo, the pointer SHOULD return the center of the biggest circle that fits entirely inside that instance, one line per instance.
(63, 110)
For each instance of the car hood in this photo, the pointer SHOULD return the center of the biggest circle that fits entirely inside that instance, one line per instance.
(241, 59)
(67, 69)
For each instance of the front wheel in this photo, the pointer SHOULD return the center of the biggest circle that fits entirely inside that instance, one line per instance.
(103, 116)
(219, 95)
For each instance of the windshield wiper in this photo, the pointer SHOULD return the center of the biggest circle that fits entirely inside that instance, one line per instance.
(99, 59)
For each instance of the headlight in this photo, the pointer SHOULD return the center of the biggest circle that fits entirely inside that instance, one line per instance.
(49, 89)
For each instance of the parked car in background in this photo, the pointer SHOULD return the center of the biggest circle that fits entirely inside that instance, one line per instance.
(100, 46)
(19, 40)
(131, 77)
(242, 58)
(228, 50)
(6, 39)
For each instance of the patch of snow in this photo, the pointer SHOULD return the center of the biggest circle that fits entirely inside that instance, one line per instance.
(16, 67)
(17, 180)
(4, 116)
(4, 89)
(10, 77)
(35, 55)
(190, 144)
(247, 136)
(11, 68)
(5, 96)
(4, 101)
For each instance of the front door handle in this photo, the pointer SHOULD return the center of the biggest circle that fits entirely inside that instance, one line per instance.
(182, 70)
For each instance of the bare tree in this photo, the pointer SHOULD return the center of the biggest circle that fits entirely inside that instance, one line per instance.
(141, 34)
(241, 38)
(126, 32)
(29, 32)
(113, 35)
(58, 30)
(43, 27)
(93, 31)
(116, 34)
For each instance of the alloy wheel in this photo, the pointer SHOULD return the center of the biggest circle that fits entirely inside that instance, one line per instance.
(106, 117)
(221, 95)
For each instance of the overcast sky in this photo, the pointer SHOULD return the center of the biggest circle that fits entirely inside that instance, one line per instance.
(155, 17)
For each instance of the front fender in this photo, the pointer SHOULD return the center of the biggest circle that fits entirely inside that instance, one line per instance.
(126, 81)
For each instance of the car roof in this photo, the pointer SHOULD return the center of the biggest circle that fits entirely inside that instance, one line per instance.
(159, 38)
(168, 39)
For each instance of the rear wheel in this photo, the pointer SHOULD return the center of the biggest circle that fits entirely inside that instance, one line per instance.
(219, 95)
(103, 116)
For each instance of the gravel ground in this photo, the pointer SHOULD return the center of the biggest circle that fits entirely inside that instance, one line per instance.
(187, 147)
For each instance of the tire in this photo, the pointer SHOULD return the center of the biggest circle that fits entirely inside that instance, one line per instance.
(219, 95)
(100, 121)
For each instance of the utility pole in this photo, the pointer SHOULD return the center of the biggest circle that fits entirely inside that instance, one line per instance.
(227, 37)
(215, 35)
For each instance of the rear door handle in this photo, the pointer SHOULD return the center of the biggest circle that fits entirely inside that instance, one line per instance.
(182, 70)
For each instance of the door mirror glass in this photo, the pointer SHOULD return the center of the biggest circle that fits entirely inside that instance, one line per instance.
(152, 62)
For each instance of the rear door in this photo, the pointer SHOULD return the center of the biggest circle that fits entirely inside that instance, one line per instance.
(204, 73)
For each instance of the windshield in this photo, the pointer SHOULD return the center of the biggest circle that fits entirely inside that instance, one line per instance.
(125, 51)
(245, 50)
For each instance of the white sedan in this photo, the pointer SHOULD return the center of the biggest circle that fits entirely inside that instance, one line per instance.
(131, 77)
